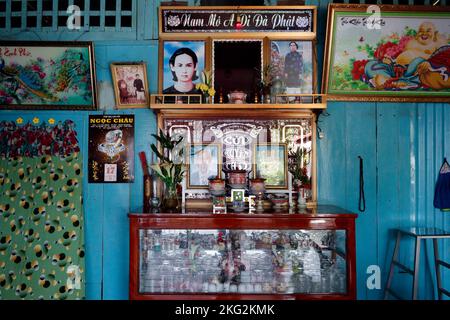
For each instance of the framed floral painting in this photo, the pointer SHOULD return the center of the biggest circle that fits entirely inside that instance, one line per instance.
(387, 53)
(47, 75)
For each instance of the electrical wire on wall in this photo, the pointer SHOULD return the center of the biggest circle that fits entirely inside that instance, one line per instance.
(362, 197)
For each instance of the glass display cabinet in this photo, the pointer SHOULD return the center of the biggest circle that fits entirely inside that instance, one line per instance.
(303, 254)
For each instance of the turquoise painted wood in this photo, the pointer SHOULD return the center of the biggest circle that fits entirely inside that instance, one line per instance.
(402, 145)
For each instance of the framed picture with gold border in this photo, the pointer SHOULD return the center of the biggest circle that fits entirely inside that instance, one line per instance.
(47, 75)
(180, 66)
(294, 63)
(130, 84)
(270, 163)
(203, 161)
(387, 53)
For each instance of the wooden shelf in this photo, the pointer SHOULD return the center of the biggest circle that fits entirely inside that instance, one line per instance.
(157, 102)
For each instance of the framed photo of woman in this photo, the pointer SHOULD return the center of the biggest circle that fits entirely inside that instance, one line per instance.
(130, 84)
(204, 162)
(181, 64)
(293, 63)
(270, 163)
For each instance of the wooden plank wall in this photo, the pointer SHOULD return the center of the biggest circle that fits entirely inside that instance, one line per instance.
(402, 145)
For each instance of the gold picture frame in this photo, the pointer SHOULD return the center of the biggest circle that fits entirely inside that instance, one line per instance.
(309, 62)
(165, 75)
(366, 65)
(48, 75)
(277, 179)
(131, 88)
(207, 168)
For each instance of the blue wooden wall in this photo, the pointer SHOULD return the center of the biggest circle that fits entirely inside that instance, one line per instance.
(402, 145)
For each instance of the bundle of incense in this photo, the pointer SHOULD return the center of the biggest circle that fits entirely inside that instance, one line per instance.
(147, 182)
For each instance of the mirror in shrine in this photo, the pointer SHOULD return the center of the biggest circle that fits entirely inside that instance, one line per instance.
(237, 66)
(277, 150)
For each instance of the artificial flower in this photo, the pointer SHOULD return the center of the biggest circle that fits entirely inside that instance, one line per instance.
(205, 85)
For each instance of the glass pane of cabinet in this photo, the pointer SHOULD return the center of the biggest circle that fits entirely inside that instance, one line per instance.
(242, 261)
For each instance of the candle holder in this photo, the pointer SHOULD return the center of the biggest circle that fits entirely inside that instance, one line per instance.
(237, 179)
(216, 186)
(257, 187)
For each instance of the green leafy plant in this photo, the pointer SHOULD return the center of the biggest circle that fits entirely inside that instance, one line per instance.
(298, 167)
(268, 77)
(169, 171)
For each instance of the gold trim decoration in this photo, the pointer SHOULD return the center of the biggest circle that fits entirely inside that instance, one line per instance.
(259, 19)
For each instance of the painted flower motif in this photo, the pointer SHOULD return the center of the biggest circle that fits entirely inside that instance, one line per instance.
(35, 120)
(51, 121)
(173, 21)
(19, 120)
(382, 50)
(358, 69)
(302, 22)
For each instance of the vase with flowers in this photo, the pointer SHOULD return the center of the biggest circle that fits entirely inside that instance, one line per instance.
(299, 171)
(170, 168)
(206, 86)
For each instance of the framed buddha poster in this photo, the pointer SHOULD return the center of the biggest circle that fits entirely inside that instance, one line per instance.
(387, 53)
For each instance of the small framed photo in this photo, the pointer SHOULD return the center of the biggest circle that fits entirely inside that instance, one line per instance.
(204, 162)
(130, 84)
(237, 195)
(270, 163)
